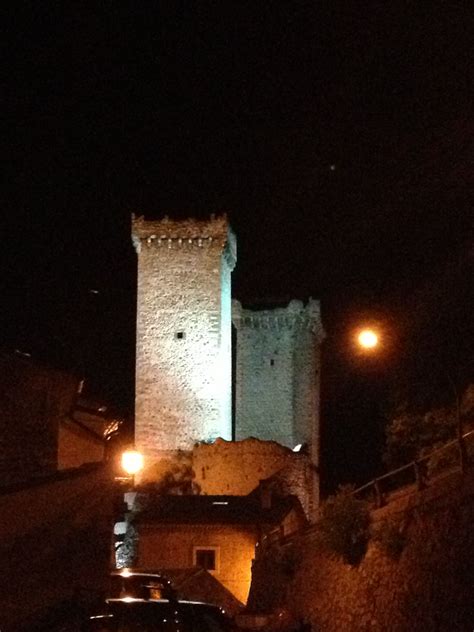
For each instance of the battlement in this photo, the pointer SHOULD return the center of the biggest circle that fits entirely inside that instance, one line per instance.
(185, 234)
(295, 316)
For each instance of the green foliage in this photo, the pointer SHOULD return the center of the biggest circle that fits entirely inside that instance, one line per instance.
(389, 535)
(411, 435)
(177, 477)
(179, 480)
(438, 461)
(344, 526)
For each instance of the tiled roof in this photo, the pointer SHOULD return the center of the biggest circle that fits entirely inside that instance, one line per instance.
(215, 509)
(197, 584)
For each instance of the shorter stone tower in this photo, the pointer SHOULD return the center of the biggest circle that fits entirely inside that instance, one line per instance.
(183, 355)
(277, 380)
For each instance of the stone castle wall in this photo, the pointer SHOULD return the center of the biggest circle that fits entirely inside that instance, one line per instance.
(183, 357)
(277, 373)
(236, 468)
(428, 587)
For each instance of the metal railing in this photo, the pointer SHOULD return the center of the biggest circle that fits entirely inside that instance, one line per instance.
(416, 472)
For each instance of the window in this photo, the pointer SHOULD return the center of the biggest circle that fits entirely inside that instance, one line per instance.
(206, 557)
(272, 362)
(179, 335)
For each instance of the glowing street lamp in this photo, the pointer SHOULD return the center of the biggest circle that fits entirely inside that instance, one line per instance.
(132, 462)
(368, 339)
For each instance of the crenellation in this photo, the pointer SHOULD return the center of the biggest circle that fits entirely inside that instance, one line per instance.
(215, 229)
(268, 320)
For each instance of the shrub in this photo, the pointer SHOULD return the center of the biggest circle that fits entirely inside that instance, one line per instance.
(344, 525)
(173, 476)
(410, 435)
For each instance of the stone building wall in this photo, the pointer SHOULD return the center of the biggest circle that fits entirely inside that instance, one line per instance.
(428, 587)
(306, 383)
(77, 446)
(171, 546)
(33, 400)
(277, 373)
(183, 357)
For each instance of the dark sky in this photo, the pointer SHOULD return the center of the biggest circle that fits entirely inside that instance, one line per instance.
(337, 136)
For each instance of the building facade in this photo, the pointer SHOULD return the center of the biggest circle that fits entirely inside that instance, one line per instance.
(43, 428)
(217, 533)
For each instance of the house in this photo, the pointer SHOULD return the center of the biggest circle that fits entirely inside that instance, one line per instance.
(216, 533)
(82, 434)
(46, 425)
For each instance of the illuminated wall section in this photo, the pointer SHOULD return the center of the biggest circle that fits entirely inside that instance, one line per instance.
(183, 356)
(225, 373)
(277, 374)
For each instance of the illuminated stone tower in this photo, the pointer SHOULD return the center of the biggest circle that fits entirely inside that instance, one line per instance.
(183, 356)
(278, 374)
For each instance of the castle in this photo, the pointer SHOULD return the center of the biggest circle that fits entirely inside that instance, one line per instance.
(206, 367)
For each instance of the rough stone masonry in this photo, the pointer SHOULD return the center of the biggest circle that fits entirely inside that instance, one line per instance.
(184, 362)
(184, 355)
(277, 373)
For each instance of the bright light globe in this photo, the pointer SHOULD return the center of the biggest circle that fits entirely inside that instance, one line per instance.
(368, 339)
(132, 461)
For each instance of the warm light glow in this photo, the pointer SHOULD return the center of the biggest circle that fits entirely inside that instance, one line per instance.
(298, 447)
(132, 462)
(368, 339)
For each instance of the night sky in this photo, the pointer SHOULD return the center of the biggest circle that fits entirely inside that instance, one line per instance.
(336, 135)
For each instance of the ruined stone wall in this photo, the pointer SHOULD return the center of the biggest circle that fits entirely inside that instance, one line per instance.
(427, 587)
(171, 546)
(236, 468)
(183, 357)
(277, 380)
